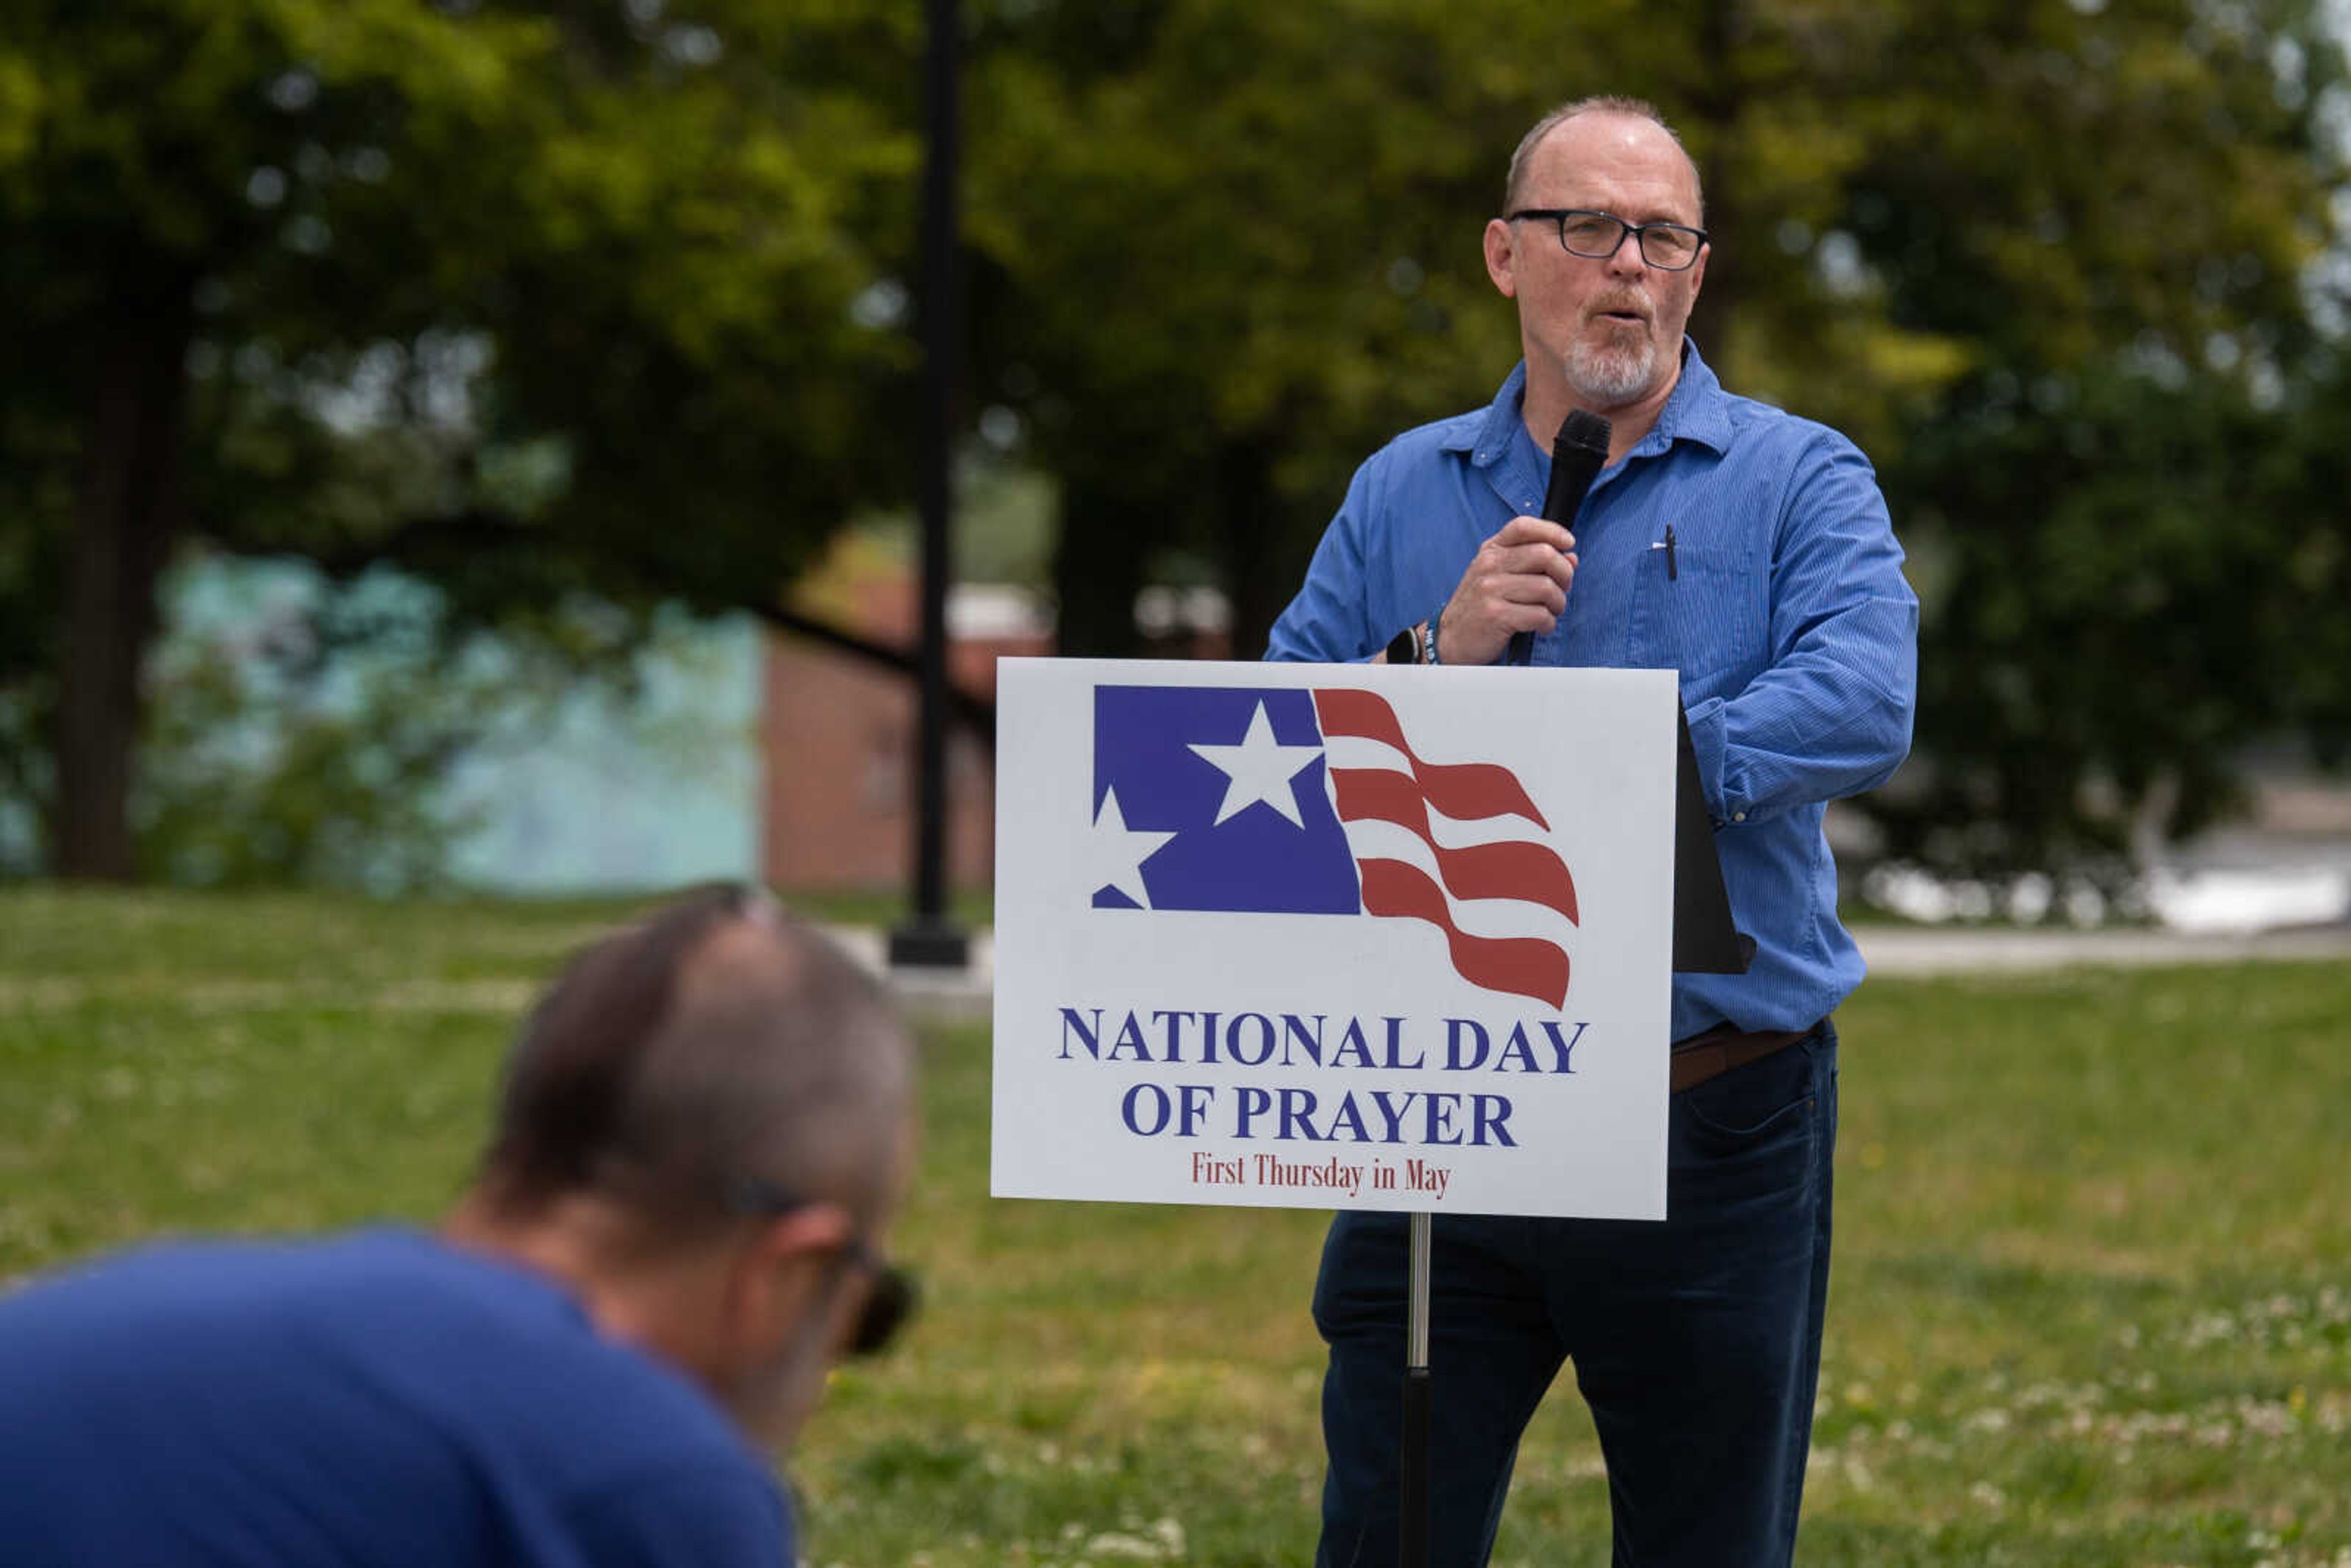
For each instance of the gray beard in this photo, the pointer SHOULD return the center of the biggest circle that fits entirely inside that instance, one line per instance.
(1611, 376)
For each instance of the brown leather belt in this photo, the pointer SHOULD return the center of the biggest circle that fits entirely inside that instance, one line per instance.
(1722, 1048)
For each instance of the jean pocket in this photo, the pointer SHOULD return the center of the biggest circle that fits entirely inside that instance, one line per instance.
(1753, 1105)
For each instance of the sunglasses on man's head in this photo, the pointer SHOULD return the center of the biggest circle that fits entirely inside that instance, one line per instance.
(892, 1293)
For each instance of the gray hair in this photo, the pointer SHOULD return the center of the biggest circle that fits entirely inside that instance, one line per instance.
(720, 1043)
(1633, 107)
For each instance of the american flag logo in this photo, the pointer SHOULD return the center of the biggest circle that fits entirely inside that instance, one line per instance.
(1315, 802)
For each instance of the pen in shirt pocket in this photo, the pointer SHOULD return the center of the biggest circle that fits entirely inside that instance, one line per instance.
(1667, 545)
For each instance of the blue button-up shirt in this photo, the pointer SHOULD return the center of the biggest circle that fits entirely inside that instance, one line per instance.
(1783, 607)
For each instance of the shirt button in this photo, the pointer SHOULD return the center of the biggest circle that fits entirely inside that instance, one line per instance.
(1738, 816)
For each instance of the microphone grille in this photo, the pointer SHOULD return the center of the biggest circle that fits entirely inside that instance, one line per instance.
(1583, 429)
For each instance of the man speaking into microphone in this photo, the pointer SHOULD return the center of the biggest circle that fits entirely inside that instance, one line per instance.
(1751, 551)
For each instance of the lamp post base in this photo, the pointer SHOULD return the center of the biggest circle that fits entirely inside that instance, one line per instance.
(930, 943)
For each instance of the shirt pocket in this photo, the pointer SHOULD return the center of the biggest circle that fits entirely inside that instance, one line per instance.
(1704, 617)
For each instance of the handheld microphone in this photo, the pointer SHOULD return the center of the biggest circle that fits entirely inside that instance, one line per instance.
(1576, 459)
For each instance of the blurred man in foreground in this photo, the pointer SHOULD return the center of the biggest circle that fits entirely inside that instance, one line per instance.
(704, 1128)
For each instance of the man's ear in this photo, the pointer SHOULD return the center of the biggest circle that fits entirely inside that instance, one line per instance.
(776, 1268)
(1503, 257)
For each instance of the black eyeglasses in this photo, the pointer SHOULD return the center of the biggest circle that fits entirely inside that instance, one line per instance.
(1596, 235)
(890, 1299)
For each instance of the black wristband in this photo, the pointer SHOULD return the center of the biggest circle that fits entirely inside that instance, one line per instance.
(1403, 648)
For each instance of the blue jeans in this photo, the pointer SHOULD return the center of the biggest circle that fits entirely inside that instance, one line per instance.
(1696, 1341)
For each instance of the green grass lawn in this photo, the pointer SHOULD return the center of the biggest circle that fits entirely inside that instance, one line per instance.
(2092, 1302)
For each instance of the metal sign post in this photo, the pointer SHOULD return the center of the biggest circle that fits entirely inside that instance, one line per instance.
(1413, 1503)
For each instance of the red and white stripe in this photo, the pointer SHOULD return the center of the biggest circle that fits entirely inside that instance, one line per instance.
(1449, 843)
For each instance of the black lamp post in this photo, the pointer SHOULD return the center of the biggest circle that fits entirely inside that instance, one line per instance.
(930, 939)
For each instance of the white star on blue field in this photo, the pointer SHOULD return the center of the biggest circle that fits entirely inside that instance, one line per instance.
(1230, 783)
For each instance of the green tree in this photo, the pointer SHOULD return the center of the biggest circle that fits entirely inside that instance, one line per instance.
(1228, 248)
(1222, 251)
(604, 298)
(2122, 498)
(538, 300)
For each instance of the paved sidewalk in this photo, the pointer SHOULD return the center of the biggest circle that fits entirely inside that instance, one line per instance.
(948, 996)
(1939, 950)
(1890, 950)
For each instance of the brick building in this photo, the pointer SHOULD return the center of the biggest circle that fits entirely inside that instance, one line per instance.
(837, 738)
(837, 733)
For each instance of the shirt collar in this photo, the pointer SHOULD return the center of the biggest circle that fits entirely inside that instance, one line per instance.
(1697, 410)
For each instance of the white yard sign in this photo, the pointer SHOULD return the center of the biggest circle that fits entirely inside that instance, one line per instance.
(1333, 936)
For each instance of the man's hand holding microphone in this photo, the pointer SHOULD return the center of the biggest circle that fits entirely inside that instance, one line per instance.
(1516, 585)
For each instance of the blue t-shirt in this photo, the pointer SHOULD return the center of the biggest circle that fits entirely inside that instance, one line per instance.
(376, 1398)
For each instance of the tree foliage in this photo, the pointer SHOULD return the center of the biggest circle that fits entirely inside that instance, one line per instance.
(542, 299)
(535, 298)
(2048, 263)
(2122, 495)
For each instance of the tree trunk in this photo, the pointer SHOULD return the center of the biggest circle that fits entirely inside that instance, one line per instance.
(1097, 572)
(127, 516)
(1247, 520)
(1717, 104)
